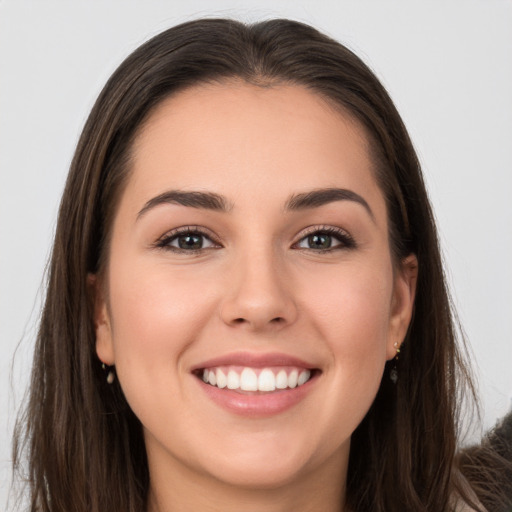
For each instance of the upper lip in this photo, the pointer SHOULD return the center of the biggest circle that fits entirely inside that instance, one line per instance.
(253, 360)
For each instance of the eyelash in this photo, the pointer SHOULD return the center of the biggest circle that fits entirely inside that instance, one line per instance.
(345, 240)
(165, 241)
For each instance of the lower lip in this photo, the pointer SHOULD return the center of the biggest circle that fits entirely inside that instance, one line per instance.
(257, 405)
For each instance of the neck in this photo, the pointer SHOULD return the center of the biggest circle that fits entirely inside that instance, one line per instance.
(321, 489)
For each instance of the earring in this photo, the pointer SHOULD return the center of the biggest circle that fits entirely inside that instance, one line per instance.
(393, 374)
(110, 375)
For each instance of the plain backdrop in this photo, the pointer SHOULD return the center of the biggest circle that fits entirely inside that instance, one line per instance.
(448, 66)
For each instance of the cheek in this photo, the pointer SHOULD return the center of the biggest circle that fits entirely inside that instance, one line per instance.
(156, 315)
(351, 308)
(350, 311)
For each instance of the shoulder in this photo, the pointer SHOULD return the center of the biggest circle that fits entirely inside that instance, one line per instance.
(464, 507)
(460, 505)
(470, 503)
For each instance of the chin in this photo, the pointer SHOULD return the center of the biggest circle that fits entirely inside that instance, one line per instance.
(270, 473)
(269, 463)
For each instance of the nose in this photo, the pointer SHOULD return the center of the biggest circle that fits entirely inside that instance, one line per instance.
(258, 294)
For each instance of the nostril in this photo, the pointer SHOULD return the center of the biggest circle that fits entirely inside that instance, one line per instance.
(276, 320)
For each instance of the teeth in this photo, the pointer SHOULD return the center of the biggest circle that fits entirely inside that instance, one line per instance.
(212, 379)
(222, 380)
(282, 380)
(249, 380)
(266, 381)
(303, 377)
(292, 379)
(233, 380)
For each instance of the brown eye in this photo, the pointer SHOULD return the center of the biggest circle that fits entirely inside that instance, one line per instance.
(319, 241)
(326, 239)
(189, 241)
(186, 240)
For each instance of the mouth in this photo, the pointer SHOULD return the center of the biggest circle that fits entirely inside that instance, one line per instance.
(256, 385)
(254, 381)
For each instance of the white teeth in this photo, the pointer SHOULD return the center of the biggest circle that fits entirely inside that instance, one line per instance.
(233, 380)
(281, 380)
(293, 378)
(266, 380)
(303, 377)
(212, 379)
(222, 380)
(248, 380)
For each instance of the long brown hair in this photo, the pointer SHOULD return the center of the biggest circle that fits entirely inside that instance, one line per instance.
(84, 445)
(488, 467)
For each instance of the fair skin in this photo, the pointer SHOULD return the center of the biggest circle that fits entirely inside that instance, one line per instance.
(251, 280)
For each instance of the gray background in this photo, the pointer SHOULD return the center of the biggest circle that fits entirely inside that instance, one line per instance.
(448, 66)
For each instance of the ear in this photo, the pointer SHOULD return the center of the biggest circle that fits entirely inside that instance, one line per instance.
(402, 305)
(102, 323)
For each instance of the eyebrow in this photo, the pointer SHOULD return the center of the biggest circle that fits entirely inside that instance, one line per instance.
(323, 196)
(205, 200)
(216, 202)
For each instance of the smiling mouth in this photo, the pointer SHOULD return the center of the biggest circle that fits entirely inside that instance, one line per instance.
(248, 380)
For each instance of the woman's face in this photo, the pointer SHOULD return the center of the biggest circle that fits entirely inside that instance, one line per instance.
(250, 249)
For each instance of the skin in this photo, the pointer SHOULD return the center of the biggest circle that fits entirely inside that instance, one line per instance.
(258, 287)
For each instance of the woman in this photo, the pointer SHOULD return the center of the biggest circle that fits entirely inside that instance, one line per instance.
(246, 306)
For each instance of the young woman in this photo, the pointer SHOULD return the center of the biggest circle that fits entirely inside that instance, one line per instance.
(246, 307)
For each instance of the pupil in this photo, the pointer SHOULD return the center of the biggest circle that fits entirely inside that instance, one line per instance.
(190, 242)
(319, 241)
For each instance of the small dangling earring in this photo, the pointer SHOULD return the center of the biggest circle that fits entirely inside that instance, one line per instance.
(393, 374)
(110, 375)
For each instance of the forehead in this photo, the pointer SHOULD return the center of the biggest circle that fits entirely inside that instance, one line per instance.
(234, 137)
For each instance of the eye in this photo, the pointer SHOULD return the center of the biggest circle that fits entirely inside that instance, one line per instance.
(186, 240)
(326, 239)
